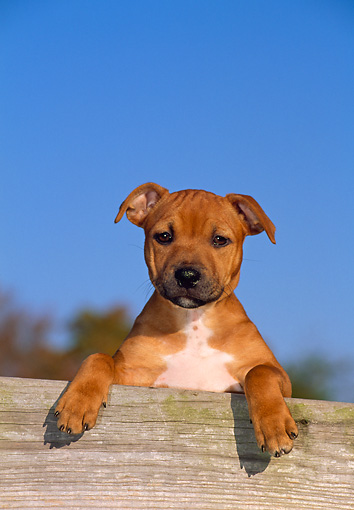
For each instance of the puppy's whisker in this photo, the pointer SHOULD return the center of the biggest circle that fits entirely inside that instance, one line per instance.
(149, 290)
(136, 246)
(143, 284)
(228, 290)
(146, 287)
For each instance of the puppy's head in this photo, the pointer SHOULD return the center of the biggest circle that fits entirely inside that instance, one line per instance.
(193, 240)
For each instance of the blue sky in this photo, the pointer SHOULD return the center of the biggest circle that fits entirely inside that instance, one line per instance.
(253, 97)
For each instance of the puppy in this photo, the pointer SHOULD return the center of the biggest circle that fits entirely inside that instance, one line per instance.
(193, 333)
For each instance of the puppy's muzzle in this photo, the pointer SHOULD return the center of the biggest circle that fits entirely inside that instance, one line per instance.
(188, 286)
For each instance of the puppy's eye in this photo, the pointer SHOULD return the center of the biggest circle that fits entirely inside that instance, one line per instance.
(219, 241)
(163, 238)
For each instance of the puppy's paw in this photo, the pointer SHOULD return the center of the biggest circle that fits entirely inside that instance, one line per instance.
(78, 408)
(275, 430)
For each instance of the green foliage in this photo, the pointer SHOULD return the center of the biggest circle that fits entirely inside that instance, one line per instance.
(311, 378)
(26, 349)
(92, 331)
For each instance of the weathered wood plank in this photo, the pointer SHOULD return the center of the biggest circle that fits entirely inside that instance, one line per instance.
(164, 449)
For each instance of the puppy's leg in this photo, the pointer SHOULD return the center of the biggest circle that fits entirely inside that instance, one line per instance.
(78, 408)
(275, 429)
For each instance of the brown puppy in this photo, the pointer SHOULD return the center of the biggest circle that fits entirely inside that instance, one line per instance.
(193, 333)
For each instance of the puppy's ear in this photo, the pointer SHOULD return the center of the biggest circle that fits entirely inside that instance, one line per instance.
(252, 216)
(140, 202)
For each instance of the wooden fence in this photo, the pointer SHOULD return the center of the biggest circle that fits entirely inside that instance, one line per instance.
(161, 449)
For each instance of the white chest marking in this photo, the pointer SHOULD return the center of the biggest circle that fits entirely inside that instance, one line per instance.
(198, 366)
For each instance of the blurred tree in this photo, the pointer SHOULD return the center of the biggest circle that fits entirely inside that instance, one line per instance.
(311, 378)
(92, 331)
(26, 350)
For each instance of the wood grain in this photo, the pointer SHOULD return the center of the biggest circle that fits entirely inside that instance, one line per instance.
(169, 449)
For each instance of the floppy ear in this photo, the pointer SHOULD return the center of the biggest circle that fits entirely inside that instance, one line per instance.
(252, 216)
(139, 203)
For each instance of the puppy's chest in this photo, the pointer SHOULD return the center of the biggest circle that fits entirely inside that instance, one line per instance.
(198, 366)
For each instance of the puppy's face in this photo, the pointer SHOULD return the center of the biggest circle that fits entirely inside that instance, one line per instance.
(193, 247)
(193, 240)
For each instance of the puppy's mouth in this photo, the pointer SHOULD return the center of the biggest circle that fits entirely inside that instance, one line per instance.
(188, 287)
(186, 302)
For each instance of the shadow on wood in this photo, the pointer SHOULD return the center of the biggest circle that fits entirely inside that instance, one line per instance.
(52, 435)
(252, 460)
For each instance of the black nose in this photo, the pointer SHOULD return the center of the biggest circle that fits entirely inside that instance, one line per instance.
(187, 277)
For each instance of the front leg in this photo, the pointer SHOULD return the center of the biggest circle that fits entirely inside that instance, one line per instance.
(274, 427)
(78, 408)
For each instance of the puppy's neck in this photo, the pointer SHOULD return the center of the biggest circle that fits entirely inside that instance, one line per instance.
(172, 318)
